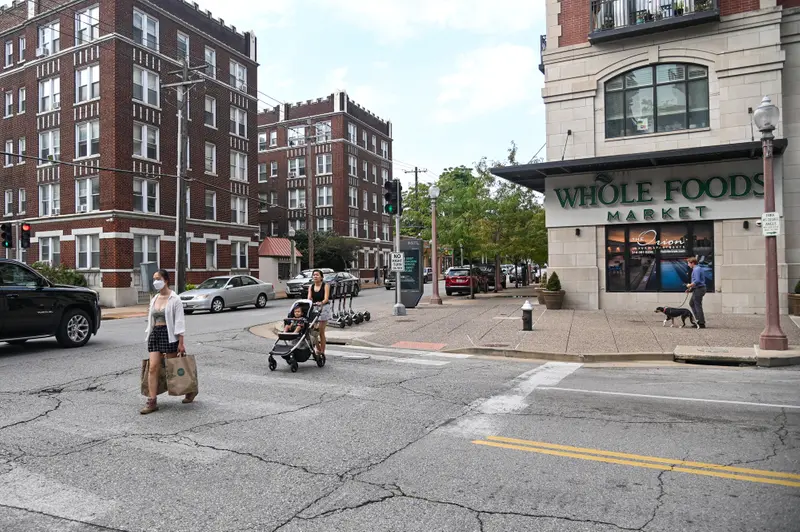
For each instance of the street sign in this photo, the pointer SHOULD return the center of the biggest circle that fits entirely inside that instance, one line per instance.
(770, 224)
(398, 262)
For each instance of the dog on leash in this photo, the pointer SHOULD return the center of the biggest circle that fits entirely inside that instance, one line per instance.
(671, 313)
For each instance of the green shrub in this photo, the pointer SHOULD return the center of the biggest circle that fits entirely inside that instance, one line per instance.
(60, 274)
(797, 288)
(553, 283)
(190, 286)
(543, 281)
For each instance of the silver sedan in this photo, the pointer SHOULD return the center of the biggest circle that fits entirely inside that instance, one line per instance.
(230, 291)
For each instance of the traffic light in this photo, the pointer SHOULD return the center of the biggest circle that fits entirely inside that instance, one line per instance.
(25, 236)
(393, 197)
(8, 238)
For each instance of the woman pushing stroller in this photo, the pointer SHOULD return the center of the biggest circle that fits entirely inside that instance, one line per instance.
(320, 293)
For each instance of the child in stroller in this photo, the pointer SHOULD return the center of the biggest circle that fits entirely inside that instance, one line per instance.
(297, 323)
(297, 343)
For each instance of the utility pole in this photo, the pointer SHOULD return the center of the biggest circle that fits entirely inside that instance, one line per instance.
(416, 172)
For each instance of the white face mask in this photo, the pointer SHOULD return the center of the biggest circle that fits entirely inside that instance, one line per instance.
(158, 284)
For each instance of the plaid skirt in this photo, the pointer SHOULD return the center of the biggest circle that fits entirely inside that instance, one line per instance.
(325, 313)
(159, 341)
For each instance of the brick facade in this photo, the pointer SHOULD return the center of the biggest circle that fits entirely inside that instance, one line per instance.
(114, 217)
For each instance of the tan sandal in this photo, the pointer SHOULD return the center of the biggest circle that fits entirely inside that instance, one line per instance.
(189, 398)
(150, 407)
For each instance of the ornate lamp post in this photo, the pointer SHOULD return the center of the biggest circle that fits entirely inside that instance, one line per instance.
(378, 258)
(433, 193)
(292, 258)
(766, 118)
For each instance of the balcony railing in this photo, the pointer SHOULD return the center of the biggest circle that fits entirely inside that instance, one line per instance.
(542, 48)
(614, 19)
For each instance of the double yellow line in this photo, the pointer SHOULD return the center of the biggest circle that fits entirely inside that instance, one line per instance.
(651, 462)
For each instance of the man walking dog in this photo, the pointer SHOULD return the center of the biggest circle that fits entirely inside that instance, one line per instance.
(698, 289)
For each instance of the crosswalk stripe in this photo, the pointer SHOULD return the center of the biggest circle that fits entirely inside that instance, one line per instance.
(385, 358)
(401, 351)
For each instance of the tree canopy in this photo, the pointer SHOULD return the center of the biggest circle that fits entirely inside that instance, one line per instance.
(330, 250)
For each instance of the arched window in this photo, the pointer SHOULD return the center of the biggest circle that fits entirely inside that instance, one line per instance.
(657, 99)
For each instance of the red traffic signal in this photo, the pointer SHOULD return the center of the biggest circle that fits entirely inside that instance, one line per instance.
(25, 236)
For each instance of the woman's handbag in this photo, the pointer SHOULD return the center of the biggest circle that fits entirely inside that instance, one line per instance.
(162, 378)
(182, 375)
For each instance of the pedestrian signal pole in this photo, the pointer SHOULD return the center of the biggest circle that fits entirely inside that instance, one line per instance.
(394, 207)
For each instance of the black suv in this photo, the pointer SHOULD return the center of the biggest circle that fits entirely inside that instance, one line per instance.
(33, 307)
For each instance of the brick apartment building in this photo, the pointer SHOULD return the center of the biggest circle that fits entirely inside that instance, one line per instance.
(648, 103)
(81, 82)
(352, 158)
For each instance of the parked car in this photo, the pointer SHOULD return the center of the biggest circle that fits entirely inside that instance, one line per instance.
(298, 287)
(334, 277)
(488, 270)
(33, 307)
(457, 280)
(227, 291)
(427, 275)
(405, 278)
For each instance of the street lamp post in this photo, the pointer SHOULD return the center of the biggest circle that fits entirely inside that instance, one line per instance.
(378, 258)
(772, 338)
(292, 252)
(433, 193)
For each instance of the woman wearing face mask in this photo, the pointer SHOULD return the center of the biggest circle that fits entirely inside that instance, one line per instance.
(166, 327)
(320, 293)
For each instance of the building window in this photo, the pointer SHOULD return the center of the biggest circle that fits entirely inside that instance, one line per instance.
(365, 168)
(239, 255)
(325, 196)
(365, 201)
(49, 39)
(49, 94)
(49, 200)
(375, 229)
(263, 203)
(352, 165)
(384, 174)
(239, 210)
(22, 45)
(145, 196)
(87, 25)
(386, 232)
(50, 250)
(238, 76)
(297, 136)
(375, 174)
(145, 249)
(374, 144)
(354, 227)
(273, 169)
(324, 163)
(88, 251)
(22, 104)
(87, 194)
(238, 166)
(146, 86)
(366, 228)
(8, 159)
(652, 257)
(145, 141)
(211, 112)
(8, 108)
(657, 99)
(324, 224)
(23, 201)
(262, 172)
(9, 202)
(384, 149)
(211, 62)
(364, 137)
(297, 198)
(211, 205)
(353, 197)
(374, 207)
(9, 53)
(299, 224)
(87, 83)
(211, 158)
(211, 254)
(145, 29)
(262, 141)
(49, 146)
(297, 167)
(323, 131)
(183, 46)
(273, 198)
(87, 139)
(273, 138)
(352, 133)
(238, 122)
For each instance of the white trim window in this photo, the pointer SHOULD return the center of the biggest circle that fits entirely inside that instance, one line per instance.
(375, 229)
(366, 228)
(210, 112)
(87, 194)
(22, 48)
(146, 249)
(375, 207)
(354, 227)
(211, 254)
(239, 210)
(8, 159)
(87, 139)
(23, 201)
(239, 255)
(365, 201)
(384, 149)
(211, 158)
(50, 38)
(273, 228)
(87, 25)
(211, 205)
(146, 141)
(325, 196)
(352, 165)
(273, 168)
(263, 204)
(238, 122)
(8, 108)
(385, 174)
(365, 168)
(145, 29)
(297, 136)
(374, 144)
(49, 146)
(211, 62)
(9, 55)
(9, 203)
(297, 198)
(262, 172)
(238, 166)
(364, 137)
(375, 173)
(87, 249)
(262, 141)
(299, 224)
(324, 163)
(49, 95)
(145, 196)
(238, 76)
(324, 131)
(273, 198)
(183, 45)
(22, 100)
(146, 86)
(352, 133)
(50, 200)
(324, 224)
(386, 232)
(273, 138)
(87, 84)
(353, 197)
(50, 250)
(297, 167)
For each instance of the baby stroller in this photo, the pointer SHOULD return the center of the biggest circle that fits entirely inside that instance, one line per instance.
(296, 347)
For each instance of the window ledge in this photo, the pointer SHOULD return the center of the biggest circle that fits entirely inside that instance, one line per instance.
(660, 134)
(87, 157)
(45, 165)
(210, 126)
(146, 159)
(214, 174)
(84, 102)
(42, 113)
(150, 105)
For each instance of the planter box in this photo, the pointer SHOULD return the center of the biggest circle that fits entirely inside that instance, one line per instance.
(553, 300)
(794, 304)
(539, 295)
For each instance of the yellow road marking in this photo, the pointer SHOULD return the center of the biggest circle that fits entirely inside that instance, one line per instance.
(643, 458)
(762, 480)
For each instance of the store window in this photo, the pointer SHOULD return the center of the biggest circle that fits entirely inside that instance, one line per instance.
(652, 257)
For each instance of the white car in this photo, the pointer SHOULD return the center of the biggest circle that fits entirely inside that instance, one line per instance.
(229, 291)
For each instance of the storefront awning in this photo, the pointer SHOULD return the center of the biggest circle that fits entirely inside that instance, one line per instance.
(533, 175)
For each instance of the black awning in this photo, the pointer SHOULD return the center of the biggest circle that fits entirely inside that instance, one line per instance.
(533, 175)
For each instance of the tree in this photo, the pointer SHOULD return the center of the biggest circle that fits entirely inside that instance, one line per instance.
(416, 219)
(330, 250)
(461, 206)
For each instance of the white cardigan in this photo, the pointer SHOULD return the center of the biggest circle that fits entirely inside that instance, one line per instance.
(173, 313)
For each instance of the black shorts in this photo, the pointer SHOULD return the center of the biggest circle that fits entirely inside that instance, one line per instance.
(159, 341)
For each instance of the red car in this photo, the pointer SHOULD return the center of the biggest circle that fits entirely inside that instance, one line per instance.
(457, 280)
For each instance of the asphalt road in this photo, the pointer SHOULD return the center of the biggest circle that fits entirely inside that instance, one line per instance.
(389, 440)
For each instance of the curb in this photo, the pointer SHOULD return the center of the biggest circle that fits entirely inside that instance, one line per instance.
(123, 316)
(564, 357)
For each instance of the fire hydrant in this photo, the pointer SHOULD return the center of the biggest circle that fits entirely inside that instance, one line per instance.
(527, 316)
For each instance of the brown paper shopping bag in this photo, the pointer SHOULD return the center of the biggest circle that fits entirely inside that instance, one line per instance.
(162, 378)
(182, 375)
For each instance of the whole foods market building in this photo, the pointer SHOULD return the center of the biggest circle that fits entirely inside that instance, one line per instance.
(620, 228)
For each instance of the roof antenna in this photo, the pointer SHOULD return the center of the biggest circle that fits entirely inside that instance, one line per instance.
(752, 132)
(564, 151)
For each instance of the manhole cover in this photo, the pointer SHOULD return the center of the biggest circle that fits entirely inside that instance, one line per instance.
(495, 345)
(713, 350)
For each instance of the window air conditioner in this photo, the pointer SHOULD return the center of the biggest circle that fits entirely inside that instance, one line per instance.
(292, 174)
(82, 208)
(56, 212)
(242, 87)
(302, 205)
(41, 51)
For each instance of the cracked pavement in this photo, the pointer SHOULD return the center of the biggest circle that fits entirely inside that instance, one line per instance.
(372, 444)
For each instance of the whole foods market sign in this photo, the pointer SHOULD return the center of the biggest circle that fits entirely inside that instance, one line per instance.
(702, 192)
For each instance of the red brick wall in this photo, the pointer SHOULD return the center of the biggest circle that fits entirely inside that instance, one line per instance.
(789, 3)
(731, 7)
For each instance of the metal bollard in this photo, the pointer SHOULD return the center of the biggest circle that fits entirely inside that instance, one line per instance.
(527, 316)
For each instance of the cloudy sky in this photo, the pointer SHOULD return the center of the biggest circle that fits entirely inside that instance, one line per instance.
(459, 79)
